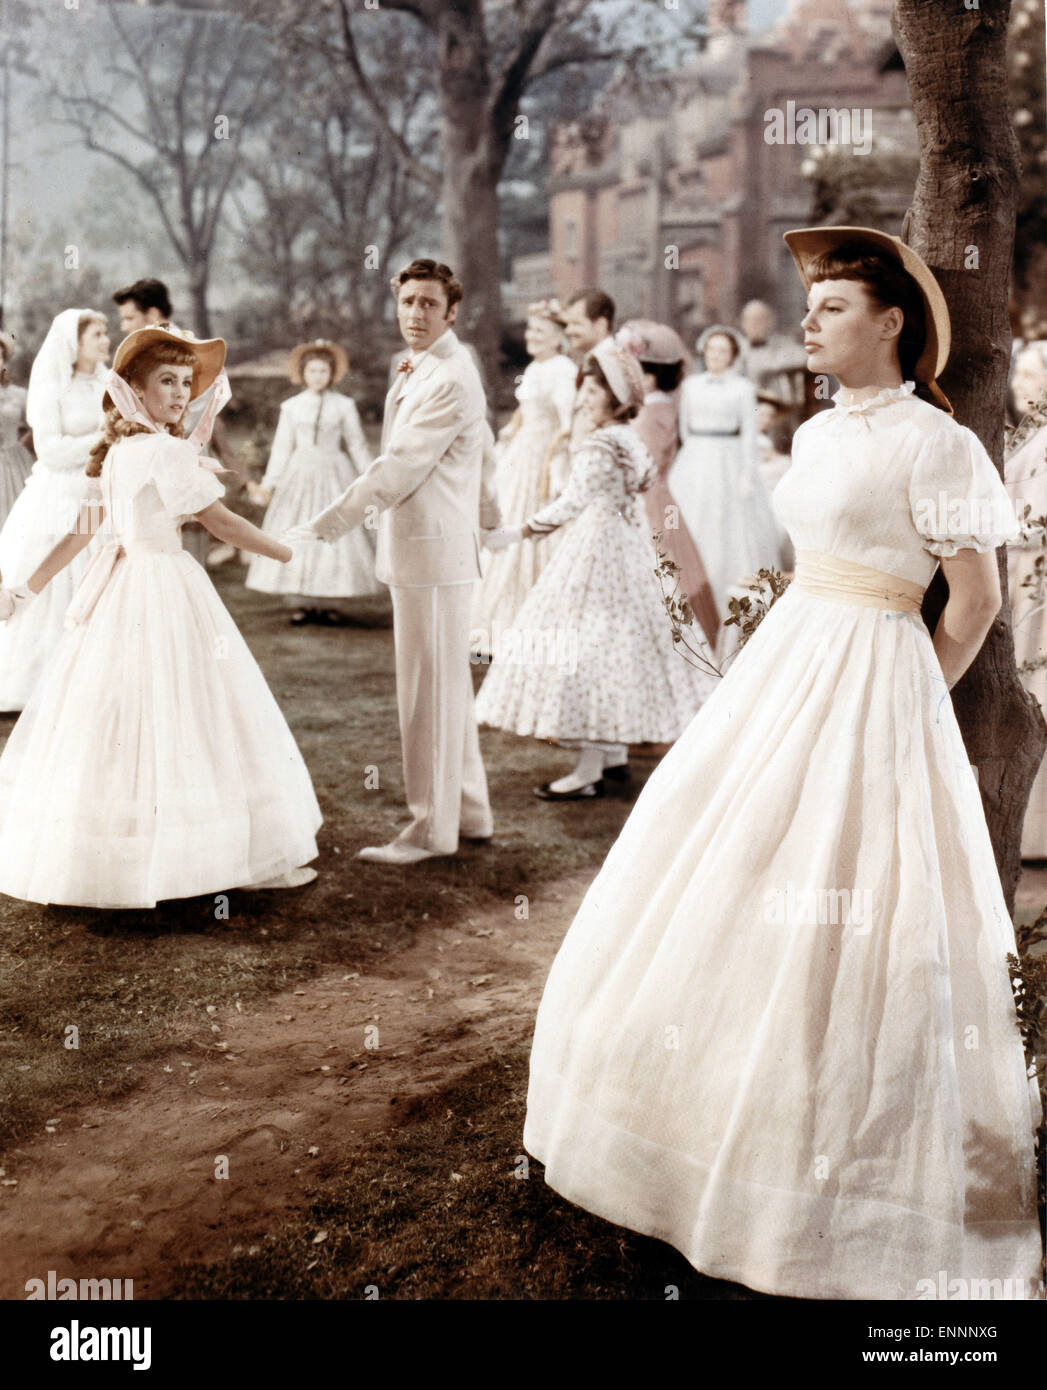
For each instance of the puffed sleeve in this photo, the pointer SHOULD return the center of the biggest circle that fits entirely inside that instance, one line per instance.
(184, 484)
(957, 498)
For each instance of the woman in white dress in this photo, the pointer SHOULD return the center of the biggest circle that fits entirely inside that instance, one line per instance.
(715, 479)
(152, 761)
(64, 410)
(15, 459)
(307, 466)
(1026, 474)
(780, 1032)
(527, 476)
(590, 659)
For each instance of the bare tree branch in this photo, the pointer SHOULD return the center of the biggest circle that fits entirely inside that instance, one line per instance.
(430, 177)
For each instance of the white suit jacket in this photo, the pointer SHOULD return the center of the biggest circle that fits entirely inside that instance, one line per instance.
(433, 482)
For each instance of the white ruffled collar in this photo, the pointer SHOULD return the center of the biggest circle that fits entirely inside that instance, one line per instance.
(887, 396)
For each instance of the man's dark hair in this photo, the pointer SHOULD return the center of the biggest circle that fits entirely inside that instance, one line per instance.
(147, 294)
(425, 269)
(597, 304)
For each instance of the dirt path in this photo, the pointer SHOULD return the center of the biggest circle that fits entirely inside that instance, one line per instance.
(286, 1094)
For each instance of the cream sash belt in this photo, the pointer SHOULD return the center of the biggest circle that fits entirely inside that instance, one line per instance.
(100, 571)
(828, 576)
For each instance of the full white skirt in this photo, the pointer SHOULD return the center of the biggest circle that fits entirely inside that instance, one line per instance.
(510, 574)
(153, 761)
(735, 536)
(15, 463)
(822, 1096)
(342, 569)
(44, 511)
(1029, 619)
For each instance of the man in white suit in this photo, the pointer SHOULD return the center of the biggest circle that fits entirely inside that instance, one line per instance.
(431, 488)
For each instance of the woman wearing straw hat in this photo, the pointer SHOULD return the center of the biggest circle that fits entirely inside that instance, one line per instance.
(15, 459)
(64, 410)
(780, 1033)
(715, 478)
(307, 465)
(152, 761)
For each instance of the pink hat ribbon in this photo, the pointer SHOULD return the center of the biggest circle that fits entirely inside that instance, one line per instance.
(131, 408)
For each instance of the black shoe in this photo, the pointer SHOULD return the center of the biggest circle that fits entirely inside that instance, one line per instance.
(586, 793)
(621, 772)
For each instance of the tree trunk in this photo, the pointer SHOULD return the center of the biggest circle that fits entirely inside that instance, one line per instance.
(961, 222)
(469, 228)
(472, 166)
(198, 276)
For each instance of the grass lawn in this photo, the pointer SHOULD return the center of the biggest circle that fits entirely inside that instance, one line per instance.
(133, 982)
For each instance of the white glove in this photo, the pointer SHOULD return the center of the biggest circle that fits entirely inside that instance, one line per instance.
(501, 537)
(325, 526)
(12, 601)
(297, 535)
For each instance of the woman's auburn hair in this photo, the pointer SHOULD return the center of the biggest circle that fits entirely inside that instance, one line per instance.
(136, 373)
(890, 286)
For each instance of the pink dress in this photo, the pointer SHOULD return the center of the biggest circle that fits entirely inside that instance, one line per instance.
(658, 425)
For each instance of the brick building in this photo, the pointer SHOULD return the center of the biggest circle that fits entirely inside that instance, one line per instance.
(674, 201)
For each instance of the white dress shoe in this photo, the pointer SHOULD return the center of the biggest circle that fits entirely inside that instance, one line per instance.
(397, 852)
(293, 878)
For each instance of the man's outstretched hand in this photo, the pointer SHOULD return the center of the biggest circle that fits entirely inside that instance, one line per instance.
(325, 526)
(501, 537)
(300, 533)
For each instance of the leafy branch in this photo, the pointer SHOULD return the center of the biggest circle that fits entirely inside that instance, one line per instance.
(694, 649)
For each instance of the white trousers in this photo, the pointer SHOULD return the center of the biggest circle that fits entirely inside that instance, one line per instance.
(444, 775)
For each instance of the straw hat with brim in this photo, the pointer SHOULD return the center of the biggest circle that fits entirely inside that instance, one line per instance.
(208, 352)
(808, 242)
(341, 360)
(622, 372)
(652, 342)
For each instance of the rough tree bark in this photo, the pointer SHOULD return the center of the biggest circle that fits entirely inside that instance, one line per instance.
(961, 221)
